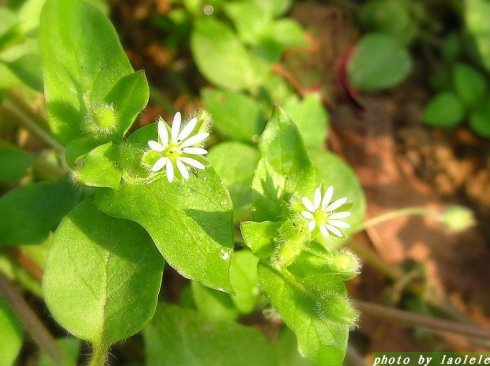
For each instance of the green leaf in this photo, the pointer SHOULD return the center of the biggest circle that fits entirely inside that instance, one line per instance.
(81, 75)
(244, 280)
(313, 268)
(275, 8)
(235, 114)
(9, 28)
(287, 350)
(310, 117)
(258, 236)
(14, 163)
(29, 70)
(388, 16)
(129, 96)
(444, 110)
(190, 223)
(11, 335)
(215, 305)
(287, 33)
(70, 349)
(30, 212)
(97, 168)
(182, 337)
(222, 58)
(477, 13)
(102, 277)
(480, 120)
(320, 321)
(470, 84)
(284, 169)
(249, 19)
(235, 163)
(378, 62)
(30, 14)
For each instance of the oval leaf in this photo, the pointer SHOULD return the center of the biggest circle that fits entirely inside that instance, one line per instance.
(444, 110)
(81, 74)
(378, 62)
(102, 276)
(222, 58)
(182, 337)
(30, 212)
(190, 223)
(235, 115)
(14, 163)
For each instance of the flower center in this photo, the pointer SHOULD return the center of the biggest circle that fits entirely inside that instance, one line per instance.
(321, 216)
(173, 151)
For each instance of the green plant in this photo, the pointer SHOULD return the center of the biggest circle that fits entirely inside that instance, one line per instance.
(136, 200)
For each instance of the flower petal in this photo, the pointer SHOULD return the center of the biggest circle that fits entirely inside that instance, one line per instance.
(334, 230)
(176, 126)
(339, 223)
(317, 199)
(155, 146)
(337, 204)
(324, 231)
(307, 215)
(194, 140)
(162, 133)
(160, 163)
(170, 172)
(187, 130)
(340, 215)
(182, 169)
(328, 196)
(311, 225)
(308, 204)
(193, 162)
(195, 150)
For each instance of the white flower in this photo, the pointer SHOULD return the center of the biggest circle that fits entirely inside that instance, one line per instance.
(323, 213)
(179, 149)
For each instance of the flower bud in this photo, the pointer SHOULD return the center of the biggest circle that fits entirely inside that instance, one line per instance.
(457, 218)
(101, 120)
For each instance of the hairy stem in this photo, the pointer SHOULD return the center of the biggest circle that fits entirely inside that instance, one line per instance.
(434, 324)
(31, 322)
(408, 211)
(99, 355)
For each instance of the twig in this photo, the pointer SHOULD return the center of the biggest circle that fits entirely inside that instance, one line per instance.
(26, 262)
(434, 324)
(22, 118)
(31, 322)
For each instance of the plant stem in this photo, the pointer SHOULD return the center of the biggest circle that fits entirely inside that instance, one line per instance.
(437, 325)
(31, 322)
(408, 211)
(99, 355)
(25, 120)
